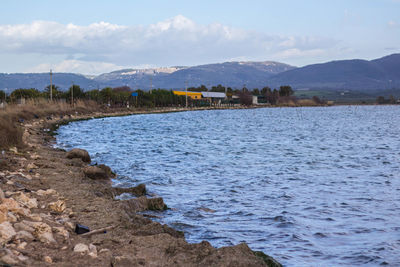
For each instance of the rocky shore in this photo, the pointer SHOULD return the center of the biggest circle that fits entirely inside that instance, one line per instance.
(57, 209)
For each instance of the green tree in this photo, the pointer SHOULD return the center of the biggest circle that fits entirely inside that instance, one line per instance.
(285, 90)
(2, 96)
(25, 93)
(78, 93)
(256, 91)
(265, 90)
(218, 88)
(57, 94)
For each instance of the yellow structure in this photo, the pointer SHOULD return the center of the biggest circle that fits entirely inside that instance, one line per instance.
(192, 95)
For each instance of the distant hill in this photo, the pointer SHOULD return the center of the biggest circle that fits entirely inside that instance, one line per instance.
(361, 75)
(234, 74)
(357, 75)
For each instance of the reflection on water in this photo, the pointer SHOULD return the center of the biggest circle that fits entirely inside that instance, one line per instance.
(308, 186)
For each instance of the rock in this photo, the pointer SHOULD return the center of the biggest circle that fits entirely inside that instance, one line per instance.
(11, 217)
(14, 150)
(26, 201)
(47, 259)
(122, 261)
(271, 262)
(61, 231)
(3, 215)
(58, 206)
(2, 194)
(143, 203)
(24, 235)
(139, 190)
(35, 217)
(6, 232)
(13, 206)
(31, 166)
(9, 259)
(92, 251)
(79, 153)
(22, 226)
(42, 231)
(22, 245)
(47, 192)
(81, 248)
(94, 172)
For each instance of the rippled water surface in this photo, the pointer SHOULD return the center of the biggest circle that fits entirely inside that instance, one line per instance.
(308, 186)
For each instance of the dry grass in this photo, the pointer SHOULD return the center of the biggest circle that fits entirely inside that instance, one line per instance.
(12, 115)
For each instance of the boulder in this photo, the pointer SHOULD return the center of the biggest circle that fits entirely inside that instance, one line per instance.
(58, 206)
(6, 232)
(24, 235)
(42, 231)
(80, 154)
(138, 191)
(81, 248)
(143, 203)
(13, 206)
(95, 173)
(26, 201)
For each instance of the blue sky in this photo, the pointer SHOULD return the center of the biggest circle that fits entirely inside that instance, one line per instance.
(98, 36)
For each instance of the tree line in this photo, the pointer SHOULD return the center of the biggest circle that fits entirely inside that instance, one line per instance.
(122, 96)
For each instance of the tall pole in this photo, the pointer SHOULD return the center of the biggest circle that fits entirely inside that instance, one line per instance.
(72, 94)
(51, 85)
(186, 93)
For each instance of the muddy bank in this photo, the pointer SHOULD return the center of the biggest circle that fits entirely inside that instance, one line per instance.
(46, 192)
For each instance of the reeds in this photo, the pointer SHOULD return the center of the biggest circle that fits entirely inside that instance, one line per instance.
(12, 115)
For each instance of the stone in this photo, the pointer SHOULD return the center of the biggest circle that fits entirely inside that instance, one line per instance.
(35, 217)
(47, 259)
(143, 203)
(79, 153)
(22, 245)
(2, 194)
(6, 232)
(11, 217)
(31, 166)
(61, 231)
(81, 248)
(139, 190)
(26, 201)
(14, 206)
(47, 192)
(58, 206)
(22, 226)
(24, 235)
(42, 231)
(9, 259)
(94, 172)
(3, 215)
(92, 251)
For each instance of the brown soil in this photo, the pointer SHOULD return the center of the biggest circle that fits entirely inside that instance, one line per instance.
(134, 239)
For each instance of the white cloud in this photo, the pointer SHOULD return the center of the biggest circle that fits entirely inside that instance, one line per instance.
(176, 41)
(76, 66)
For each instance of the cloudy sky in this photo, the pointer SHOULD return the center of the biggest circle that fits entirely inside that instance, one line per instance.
(97, 36)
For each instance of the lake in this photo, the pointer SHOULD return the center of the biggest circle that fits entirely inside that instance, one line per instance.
(309, 186)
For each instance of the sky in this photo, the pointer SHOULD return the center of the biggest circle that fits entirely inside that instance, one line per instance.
(98, 36)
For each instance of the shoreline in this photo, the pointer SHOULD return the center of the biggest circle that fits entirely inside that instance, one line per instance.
(130, 240)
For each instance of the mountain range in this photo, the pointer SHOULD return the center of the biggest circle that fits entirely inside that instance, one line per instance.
(356, 74)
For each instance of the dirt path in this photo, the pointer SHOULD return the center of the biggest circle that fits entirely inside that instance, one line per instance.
(44, 195)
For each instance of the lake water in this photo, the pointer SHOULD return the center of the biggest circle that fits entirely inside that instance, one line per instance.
(308, 186)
